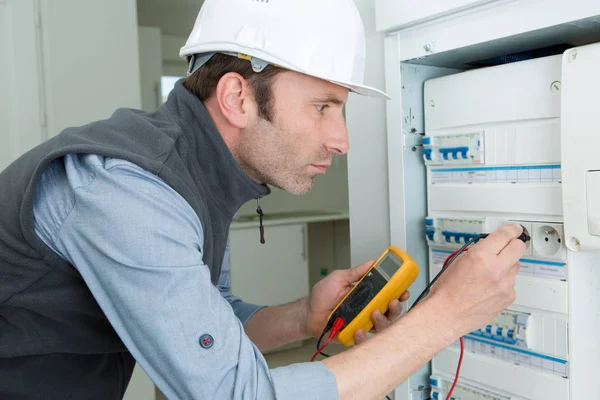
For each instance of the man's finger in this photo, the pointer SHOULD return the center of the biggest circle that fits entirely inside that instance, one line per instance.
(405, 296)
(380, 321)
(360, 336)
(394, 310)
(512, 252)
(514, 270)
(499, 239)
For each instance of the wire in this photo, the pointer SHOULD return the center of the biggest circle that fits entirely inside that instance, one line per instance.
(328, 327)
(337, 326)
(460, 359)
(451, 258)
(447, 263)
(321, 348)
(319, 344)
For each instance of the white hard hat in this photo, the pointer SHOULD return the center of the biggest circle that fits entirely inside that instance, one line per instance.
(320, 38)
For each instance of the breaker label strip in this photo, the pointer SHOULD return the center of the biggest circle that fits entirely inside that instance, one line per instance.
(541, 362)
(530, 267)
(441, 386)
(508, 174)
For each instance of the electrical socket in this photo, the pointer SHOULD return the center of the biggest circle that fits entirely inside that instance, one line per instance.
(548, 240)
(527, 230)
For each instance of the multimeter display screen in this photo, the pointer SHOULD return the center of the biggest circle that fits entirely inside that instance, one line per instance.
(389, 266)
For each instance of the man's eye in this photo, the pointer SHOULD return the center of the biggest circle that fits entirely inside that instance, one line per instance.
(321, 107)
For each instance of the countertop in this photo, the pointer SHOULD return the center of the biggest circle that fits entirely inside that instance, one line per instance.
(286, 218)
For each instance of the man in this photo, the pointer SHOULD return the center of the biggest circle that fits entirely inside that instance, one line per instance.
(112, 235)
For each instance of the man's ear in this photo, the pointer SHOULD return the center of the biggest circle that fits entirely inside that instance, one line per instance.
(234, 96)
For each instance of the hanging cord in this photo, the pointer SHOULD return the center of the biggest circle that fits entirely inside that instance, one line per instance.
(261, 228)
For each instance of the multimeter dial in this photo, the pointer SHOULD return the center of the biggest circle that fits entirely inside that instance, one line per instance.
(362, 295)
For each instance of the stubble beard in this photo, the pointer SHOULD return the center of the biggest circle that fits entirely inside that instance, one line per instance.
(262, 157)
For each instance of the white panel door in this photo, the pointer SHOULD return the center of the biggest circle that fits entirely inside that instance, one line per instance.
(20, 106)
(580, 137)
(401, 13)
(272, 273)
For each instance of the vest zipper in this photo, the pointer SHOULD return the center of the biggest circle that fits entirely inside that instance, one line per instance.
(261, 228)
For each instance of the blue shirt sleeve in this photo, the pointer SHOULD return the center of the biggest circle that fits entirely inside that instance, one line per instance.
(138, 246)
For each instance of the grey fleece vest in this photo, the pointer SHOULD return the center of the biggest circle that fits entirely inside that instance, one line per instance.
(55, 342)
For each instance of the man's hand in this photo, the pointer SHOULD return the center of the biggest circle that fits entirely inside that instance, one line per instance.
(474, 290)
(480, 283)
(329, 291)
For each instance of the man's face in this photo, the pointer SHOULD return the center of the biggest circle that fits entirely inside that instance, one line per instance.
(306, 130)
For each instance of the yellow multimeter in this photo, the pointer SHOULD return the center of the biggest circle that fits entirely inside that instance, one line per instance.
(386, 280)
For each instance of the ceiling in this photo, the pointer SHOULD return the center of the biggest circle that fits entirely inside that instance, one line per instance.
(173, 17)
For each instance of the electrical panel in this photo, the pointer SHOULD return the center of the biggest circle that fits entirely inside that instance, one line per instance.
(463, 391)
(492, 153)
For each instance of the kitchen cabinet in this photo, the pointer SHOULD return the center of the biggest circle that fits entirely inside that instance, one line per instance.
(272, 273)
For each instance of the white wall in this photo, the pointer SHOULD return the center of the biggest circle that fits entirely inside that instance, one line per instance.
(90, 60)
(173, 17)
(367, 159)
(173, 65)
(21, 109)
(151, 66)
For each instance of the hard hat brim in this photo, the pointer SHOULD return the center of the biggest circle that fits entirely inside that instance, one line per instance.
(227, 48)
(364, 90)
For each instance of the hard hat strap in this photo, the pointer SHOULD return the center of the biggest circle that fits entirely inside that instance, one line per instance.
(198, 60)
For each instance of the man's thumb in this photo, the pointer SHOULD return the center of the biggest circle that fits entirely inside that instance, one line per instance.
(354, 274)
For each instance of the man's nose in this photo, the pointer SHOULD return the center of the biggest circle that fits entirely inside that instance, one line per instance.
(337, 142)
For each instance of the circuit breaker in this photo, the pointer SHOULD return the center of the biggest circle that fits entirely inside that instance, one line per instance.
(492, 153)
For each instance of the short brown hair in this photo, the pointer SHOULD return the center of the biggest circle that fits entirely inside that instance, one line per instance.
(203, 82)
